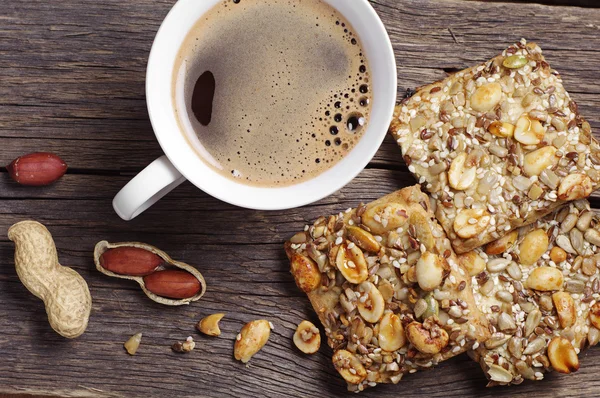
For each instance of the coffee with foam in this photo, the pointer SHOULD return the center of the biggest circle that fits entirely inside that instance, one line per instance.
(272, 92)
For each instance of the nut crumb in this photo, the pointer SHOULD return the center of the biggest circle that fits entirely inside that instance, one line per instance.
(187, 346)
(132, 345)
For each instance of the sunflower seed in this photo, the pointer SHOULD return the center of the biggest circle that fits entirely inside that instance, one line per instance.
(533, 320)
(535, 346)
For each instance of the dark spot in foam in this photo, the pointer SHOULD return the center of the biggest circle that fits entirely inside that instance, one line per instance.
(202, 98)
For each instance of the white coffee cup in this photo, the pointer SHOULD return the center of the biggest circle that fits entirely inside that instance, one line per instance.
(181, 161)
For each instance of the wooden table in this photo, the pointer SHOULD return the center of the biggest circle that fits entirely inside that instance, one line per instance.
(72, 82)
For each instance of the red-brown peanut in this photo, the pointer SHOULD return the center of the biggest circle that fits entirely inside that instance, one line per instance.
(37, 169)
(132, 261)
(173, 284)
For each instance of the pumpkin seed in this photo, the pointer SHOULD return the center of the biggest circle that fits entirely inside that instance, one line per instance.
(515, 61)
(433, 307)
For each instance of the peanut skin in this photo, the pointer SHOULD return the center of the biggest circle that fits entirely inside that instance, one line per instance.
(37, 169)
(173, 284)
(64, 292)
(132, 261)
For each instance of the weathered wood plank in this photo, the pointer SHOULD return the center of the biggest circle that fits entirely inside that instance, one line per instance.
(72, 76)
(577, 3)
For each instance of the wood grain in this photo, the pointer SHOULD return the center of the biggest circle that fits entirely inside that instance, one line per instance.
(72, 82)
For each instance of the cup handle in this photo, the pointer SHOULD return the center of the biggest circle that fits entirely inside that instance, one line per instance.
(147, 188)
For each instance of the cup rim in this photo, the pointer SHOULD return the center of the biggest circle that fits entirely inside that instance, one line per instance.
(193, 168)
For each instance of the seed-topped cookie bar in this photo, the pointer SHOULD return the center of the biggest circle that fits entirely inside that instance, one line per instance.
(539, 287)
(498, 146)
(388, 289)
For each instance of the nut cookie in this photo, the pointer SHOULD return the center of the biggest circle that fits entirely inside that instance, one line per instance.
(388, 289)
(539, 286)
(498, 146)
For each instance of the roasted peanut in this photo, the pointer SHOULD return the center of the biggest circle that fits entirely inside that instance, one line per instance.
(363, 239)
(162, 279)
(471, 222)
(64, 292)
(593, 336)
(595, 315)
(173, 284)
(37, 169)
(545, 279)
(472, 262)
(562, 355)
(427, 341)
(385, 217)
(430, 271)
(391, 333)
(349, 367)
(534, 244)
(535, 192)
(486, 97)
(460, 175)
(565, 308)
(133, 261)
(210, 325)
(539, 160)
(351, 263)
(372, 308)
(132, 345)
(529, 131)
(558, 255)
(307, 337)
(306, 273)
(575, 186)
(253, 336)
(501, 245)
(501, 129)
